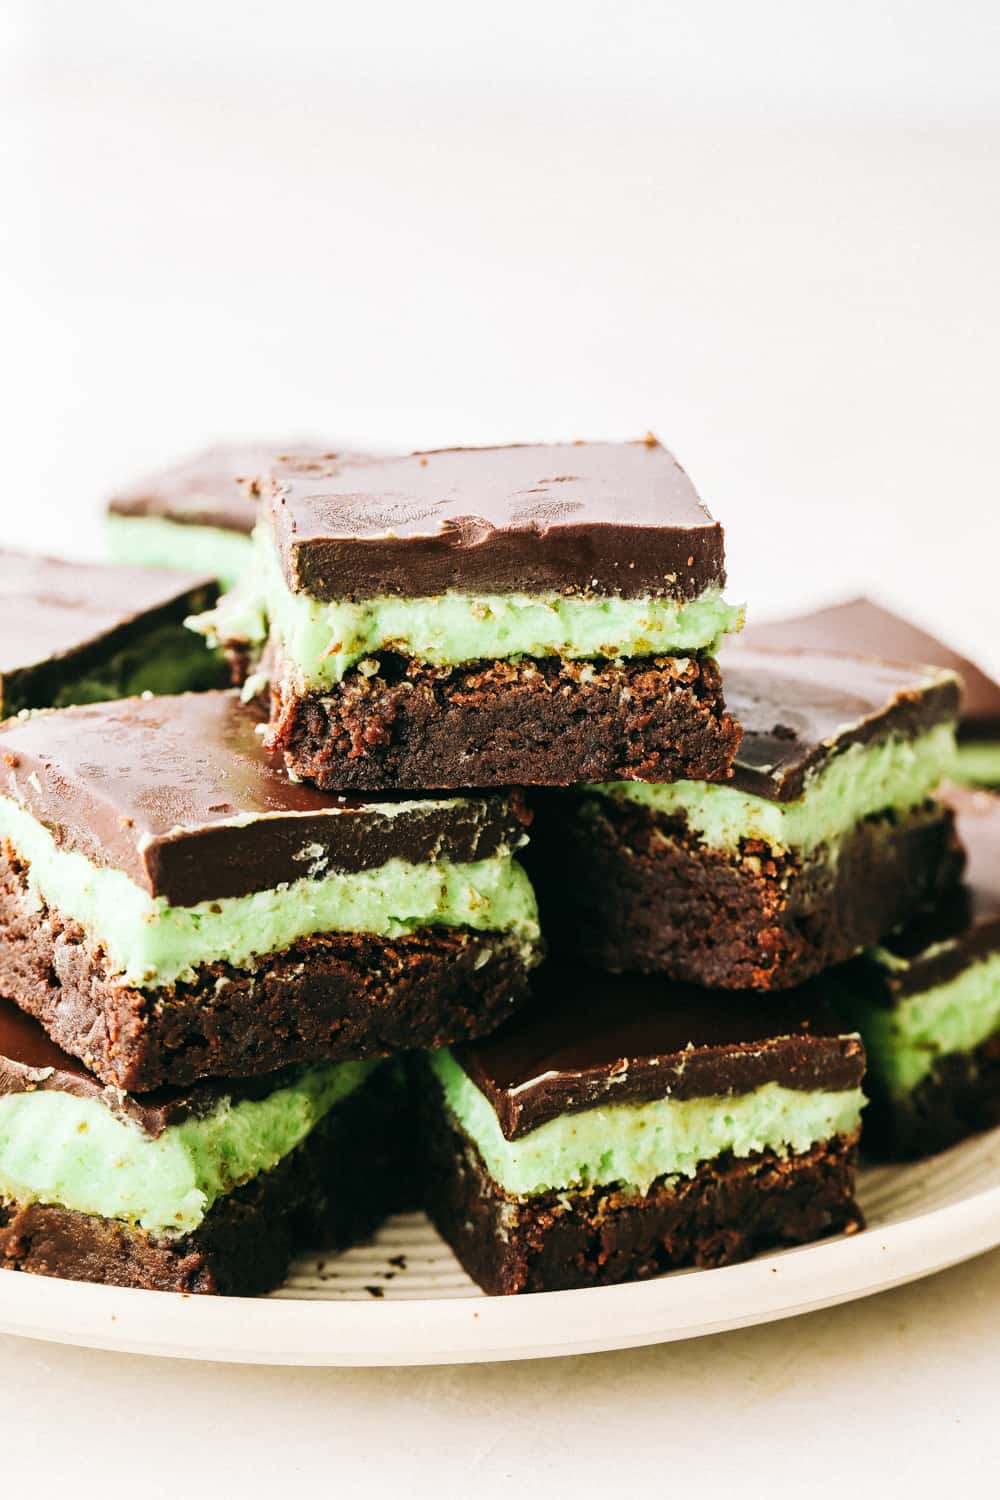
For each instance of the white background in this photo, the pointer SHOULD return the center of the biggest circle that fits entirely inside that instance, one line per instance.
(769, 232)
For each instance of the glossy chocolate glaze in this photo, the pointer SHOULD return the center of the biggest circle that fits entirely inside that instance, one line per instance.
(590, 1039)
(604, 518)
(940, 944)
(212, 488)
(57, 617)
(30, 1061)
(179, 793)
(863, 628)
(798, 708)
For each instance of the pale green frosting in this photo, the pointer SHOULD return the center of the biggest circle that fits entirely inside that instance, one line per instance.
(978, 762)
(904, 1041)
(321, 641)
(635, 1144)
(151, 943)
(59, 1149)
(155, 542)
(858, 782)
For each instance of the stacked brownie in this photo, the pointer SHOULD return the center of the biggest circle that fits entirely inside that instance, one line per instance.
(271, 961)
(550, 617)
(695, 1094)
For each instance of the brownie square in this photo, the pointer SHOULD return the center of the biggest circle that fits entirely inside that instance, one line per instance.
(173, 905)
(827, 836)
(74, 632)
(486, 617)
(620, 1127)
(863, 628)
(206, 1189)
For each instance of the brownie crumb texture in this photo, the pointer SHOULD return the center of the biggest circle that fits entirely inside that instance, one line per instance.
(508, 723)
(647, 896)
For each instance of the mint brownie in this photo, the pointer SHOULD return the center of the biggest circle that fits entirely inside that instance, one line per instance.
(73, 632)
(827, 836)
(927, 1002)
(173, 905)
(495, 616)
(198, 513)
(205, 1189)
(866, 629)
(620, 1127)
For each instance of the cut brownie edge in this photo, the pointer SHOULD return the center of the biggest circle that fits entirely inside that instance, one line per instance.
(647, 895)
(505, 723)
(331, 1192)
(329, 997)
(728, 1211)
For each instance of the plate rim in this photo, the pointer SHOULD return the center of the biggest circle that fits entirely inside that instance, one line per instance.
(311, 1332)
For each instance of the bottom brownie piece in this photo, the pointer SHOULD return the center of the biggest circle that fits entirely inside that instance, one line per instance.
(92, 1145)
(619, 1128)
(729, 1210)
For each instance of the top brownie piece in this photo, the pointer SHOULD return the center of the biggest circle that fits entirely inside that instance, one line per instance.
(595, 518)
(863, 628)
(58, 616)
(591, 1039)
(799, 708)
(179, 794)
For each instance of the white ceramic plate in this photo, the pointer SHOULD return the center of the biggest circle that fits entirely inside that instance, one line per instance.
(403, 1300)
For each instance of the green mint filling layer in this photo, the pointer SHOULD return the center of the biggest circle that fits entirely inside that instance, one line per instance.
(151, 943)
(903, 1042)
(154, 542)
(58, 1149)
(322, 641)
(978, 762)
(893, 775)
(634, 1144)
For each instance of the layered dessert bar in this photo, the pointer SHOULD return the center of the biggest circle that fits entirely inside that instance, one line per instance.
(495, 616)
(827, 836)
(198, 513)
(205, 1189)
(80, 632)
(623, 1126)
(927, 1002)
(173, 905)
(863, 628)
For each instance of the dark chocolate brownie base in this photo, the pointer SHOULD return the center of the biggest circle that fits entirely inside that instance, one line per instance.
(329, 997)
(958, 1098)
(330, 1193)
(508, 723)
(625, 888)
(728, 1211)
